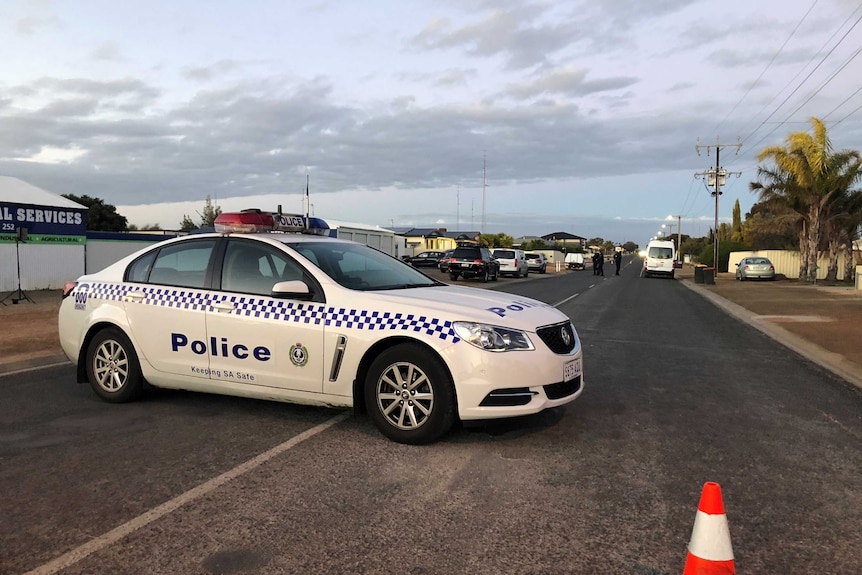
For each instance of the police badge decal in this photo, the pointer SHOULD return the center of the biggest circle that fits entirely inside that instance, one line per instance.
(298, 355)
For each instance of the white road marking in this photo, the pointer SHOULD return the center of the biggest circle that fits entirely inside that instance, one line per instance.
(29, 369)
(558, 304)
(160, 511)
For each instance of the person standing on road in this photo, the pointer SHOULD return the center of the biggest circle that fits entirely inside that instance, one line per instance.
(618, 260)
(601, 264)
(596, 259)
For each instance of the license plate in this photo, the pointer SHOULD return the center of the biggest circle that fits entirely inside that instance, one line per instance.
(572, 369)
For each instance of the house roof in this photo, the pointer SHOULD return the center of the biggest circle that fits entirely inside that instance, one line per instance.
(15, 191)
(562, 236)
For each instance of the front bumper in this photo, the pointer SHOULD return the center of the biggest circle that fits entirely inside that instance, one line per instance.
(509, 384)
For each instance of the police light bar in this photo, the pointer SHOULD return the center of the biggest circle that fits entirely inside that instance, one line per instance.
(256, 221)
(244, 222)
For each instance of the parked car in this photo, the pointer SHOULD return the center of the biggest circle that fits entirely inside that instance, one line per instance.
(660, 259)
(473, 262)
(429, 258)
(755, 267)
(512, 262)
(443, 265)
(537, 263)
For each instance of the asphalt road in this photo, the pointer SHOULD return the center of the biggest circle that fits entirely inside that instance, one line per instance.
(677, 394)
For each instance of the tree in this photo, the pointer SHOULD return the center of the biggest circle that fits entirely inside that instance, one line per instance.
(133, 227)
(531, 245)
(187, 223)
(808, 179)
(630, 247)
(736, 234)
(497, 240)
(101, 217)
(210, 213)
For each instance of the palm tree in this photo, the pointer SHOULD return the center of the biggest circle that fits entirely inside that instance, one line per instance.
(806, 163)
(782, 198)
(843, 213)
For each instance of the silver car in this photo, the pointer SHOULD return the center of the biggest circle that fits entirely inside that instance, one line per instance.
(755, 267)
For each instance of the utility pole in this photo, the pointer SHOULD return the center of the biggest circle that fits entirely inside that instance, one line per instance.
(718, 176)
(484, 188)
(458, 208)
(679, 238)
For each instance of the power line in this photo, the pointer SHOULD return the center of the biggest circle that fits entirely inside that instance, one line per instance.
(769, 65)
(799, 86)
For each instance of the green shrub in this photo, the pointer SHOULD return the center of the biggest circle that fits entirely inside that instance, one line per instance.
(724, 249)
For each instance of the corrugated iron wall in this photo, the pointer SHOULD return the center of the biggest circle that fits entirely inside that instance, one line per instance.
(786, 263)
(42, 266)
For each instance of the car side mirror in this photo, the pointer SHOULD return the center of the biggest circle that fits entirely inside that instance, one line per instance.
(293, 289)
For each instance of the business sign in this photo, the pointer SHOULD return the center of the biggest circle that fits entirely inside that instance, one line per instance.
(44, 224)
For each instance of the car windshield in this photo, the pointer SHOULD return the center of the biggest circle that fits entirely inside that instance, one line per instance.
(506, 254)
(533, 256)
(359, 267)
(758, 261)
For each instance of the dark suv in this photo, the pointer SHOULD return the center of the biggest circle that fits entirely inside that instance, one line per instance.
(473, 262)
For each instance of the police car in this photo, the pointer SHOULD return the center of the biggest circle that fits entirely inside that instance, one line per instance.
(258, 310)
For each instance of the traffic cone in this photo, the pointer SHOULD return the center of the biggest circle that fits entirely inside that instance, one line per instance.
(709, 551)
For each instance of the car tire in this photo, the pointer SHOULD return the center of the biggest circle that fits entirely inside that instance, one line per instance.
(113, 369)
(485, 276)
(403, 372)
(453, 277)
(494, 276)
(541, 271)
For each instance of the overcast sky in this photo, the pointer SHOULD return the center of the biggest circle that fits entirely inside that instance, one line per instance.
(584, 114)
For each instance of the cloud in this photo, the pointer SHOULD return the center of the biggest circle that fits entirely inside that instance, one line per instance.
(567, 81)
(31, 25)
(106, 51)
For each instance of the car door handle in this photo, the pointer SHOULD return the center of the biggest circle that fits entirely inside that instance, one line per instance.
(224, 307)
(135, 296)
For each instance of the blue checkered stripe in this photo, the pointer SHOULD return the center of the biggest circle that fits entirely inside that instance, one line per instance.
(371, 320)
(267, 308)
(111, 292)
(161, 296)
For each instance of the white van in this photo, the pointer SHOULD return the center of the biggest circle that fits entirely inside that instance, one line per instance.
(660, 258)
(512, 262)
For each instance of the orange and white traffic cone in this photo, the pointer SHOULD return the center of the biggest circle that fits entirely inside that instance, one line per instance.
(709, 551)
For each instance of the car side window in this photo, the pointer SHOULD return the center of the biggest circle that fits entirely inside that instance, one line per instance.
(253, 268)
(139, 270)
(183, 264)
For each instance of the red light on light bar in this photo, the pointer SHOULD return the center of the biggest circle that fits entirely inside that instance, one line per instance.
(245, 222)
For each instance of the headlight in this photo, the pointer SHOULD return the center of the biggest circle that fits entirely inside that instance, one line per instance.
(492, 337)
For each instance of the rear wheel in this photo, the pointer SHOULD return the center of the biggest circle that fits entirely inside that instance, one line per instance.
(113, 369)
(485, 276)
(453, 276)
(409, 395)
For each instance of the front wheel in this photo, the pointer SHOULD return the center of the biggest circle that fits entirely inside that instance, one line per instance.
(409, 395)
(113, 369)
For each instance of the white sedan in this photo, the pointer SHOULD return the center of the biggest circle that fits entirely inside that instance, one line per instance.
(315, 320)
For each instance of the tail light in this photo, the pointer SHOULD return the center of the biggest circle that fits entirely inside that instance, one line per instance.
(67, 289)
(478, 262)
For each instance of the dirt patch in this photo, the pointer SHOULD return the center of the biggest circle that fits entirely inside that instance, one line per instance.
(30, 329)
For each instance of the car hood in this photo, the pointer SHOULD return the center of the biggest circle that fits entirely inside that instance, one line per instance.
(455, 303)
